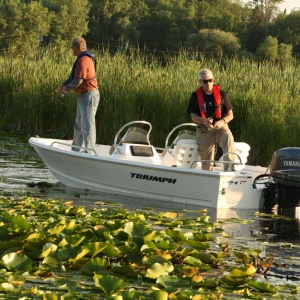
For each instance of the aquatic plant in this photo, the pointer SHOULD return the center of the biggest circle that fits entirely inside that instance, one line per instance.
(137, 86)
(53, 249)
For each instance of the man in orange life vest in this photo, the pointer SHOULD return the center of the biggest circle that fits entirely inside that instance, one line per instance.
(211, 109)
(83, 81)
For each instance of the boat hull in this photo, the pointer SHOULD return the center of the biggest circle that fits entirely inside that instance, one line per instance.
(106, 174)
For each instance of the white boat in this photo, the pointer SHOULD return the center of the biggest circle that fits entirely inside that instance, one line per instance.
(133, 166)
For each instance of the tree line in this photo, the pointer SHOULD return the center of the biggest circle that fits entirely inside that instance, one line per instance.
(211, 27)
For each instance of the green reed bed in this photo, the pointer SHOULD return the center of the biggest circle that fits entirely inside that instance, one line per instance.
(266, 102)
(135, 86)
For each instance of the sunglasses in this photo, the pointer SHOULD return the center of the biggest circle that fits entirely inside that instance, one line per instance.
(205, 81)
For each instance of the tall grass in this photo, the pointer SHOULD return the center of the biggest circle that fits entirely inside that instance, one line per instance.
(133, 86)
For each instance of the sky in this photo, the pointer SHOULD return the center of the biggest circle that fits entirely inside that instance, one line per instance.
(287, 4)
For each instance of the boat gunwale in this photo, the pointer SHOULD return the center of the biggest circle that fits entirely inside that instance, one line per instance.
(34, 141)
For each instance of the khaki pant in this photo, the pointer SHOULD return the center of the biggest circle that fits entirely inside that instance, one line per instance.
(206, 145)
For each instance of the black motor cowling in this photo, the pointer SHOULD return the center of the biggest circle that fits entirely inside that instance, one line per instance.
(285, 172)
(285, 166)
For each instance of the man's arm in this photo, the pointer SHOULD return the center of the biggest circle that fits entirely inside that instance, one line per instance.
(72, 85)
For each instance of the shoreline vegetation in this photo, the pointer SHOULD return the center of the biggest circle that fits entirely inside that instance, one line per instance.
(136, 86)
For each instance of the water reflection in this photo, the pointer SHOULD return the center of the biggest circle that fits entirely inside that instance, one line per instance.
(283, 229)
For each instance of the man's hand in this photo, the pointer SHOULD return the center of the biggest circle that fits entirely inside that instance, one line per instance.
(64, 90)
(61, 89)
(208, 122)
(219, 124)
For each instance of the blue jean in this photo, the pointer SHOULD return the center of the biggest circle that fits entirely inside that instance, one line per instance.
(85, 125)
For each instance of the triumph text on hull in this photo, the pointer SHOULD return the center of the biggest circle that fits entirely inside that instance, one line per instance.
(132, 166)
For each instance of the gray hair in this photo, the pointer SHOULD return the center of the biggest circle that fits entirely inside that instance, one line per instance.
(80, 43)
(205, 72)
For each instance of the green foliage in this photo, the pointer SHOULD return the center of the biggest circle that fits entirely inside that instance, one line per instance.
(27, 26)
(23, 26)
(16, 262)
(265, 98)
(284, 52)
(259, 18)
(287, 29)
(70, 20)
(109, 284)
(113, 20)
(268, 49)
(226, 15)
(214, 41)
(133, 86)
(85, 271)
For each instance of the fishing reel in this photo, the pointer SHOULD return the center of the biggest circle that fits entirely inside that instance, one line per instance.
(204, 128)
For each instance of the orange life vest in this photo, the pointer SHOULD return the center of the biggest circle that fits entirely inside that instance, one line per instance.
(217, 101)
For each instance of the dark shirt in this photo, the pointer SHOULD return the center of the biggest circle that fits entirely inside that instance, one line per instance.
(209, 105)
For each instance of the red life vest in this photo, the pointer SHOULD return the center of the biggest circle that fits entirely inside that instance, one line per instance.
(217, 101)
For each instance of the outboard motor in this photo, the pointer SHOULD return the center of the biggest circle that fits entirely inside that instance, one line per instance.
(285, 172)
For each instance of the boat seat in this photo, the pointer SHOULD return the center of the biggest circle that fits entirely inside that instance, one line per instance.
(136, 135)
(183, 152)
(186, 135)
(242, 149)
(186, 153)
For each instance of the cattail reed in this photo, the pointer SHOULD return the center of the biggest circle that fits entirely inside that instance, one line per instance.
(137, 86)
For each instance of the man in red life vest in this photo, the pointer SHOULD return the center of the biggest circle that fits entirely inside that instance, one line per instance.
(211, 109)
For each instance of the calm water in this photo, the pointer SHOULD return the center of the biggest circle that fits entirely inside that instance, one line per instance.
(22, 173)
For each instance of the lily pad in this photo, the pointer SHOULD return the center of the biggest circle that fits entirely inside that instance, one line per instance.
(109, 284)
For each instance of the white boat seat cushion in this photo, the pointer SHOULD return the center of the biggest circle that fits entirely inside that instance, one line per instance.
(242, 149)
(186, 153)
